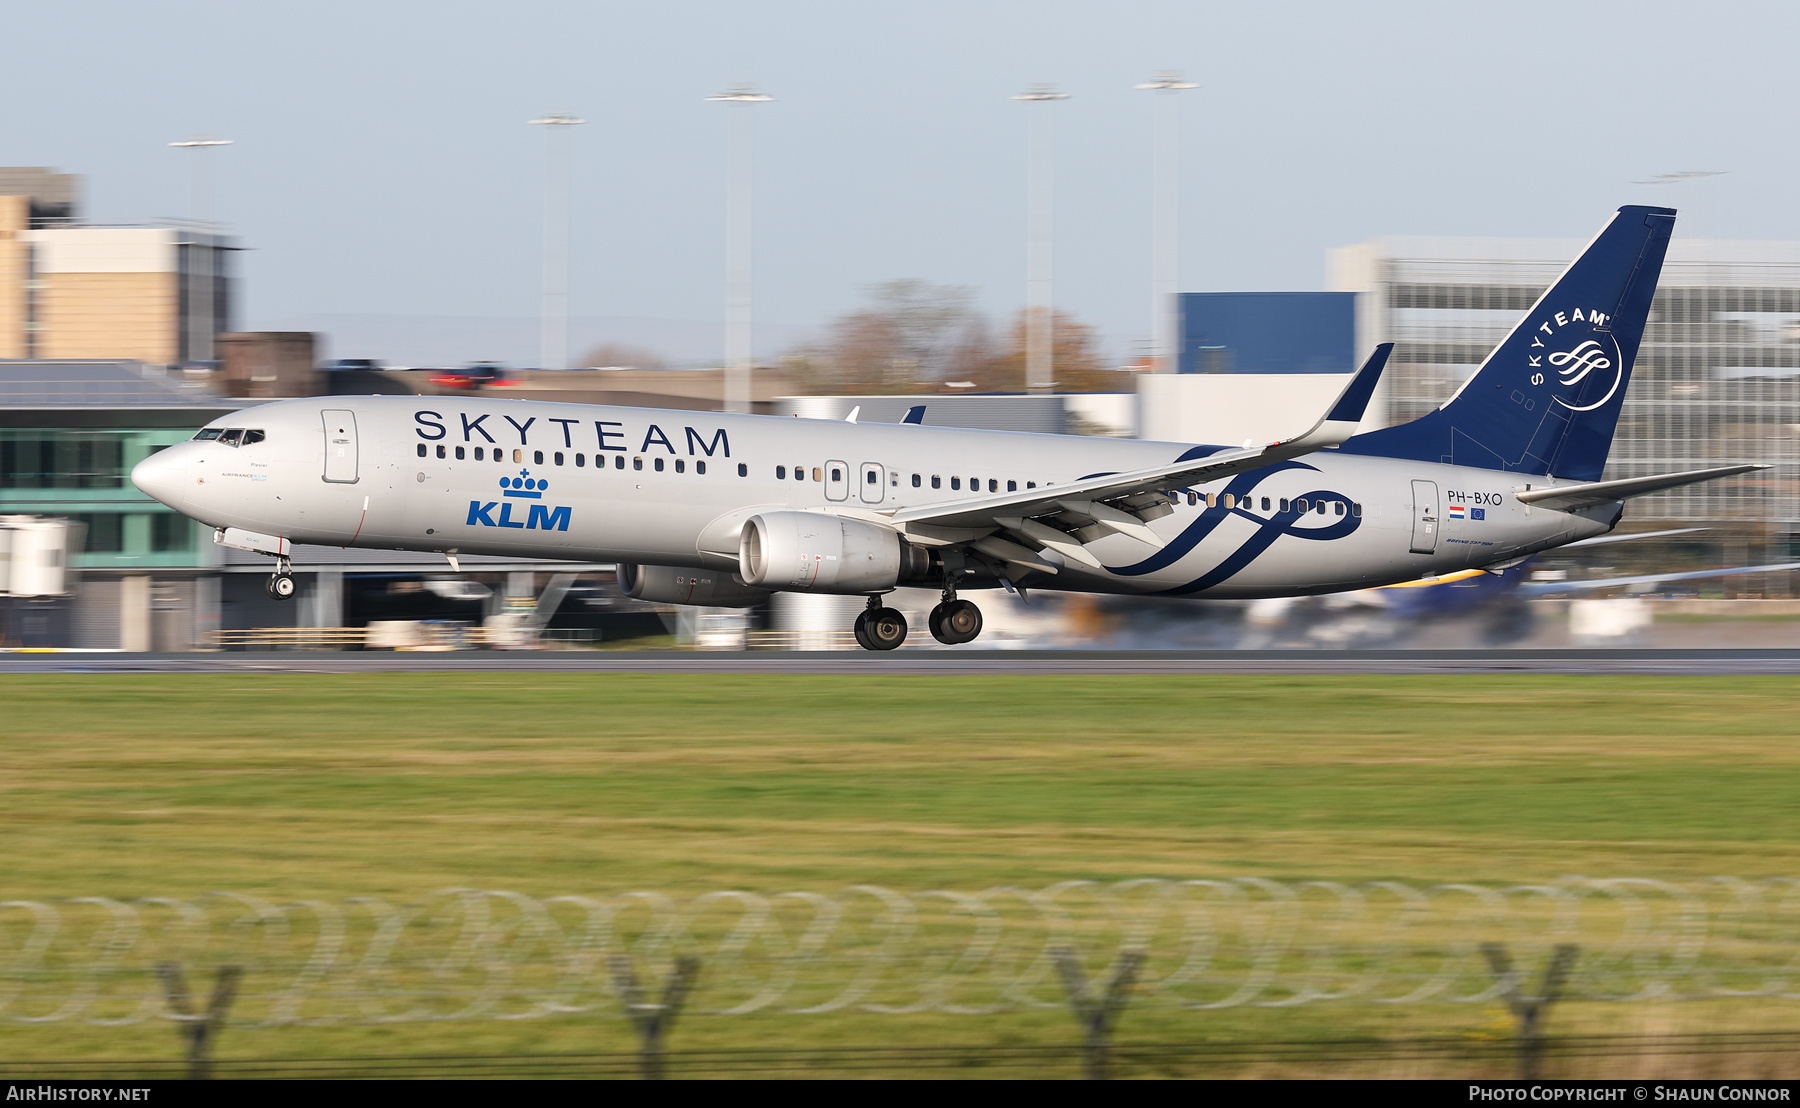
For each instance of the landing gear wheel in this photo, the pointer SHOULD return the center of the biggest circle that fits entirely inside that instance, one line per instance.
(955, 621)
(281, 586)
(880, 629)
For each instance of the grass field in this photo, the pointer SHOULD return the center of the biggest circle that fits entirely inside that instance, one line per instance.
(295, 786)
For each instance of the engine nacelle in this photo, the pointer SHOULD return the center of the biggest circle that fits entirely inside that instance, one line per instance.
(675, 585)
(816, 552)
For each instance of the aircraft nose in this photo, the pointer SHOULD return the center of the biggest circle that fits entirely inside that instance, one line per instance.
(162, 477)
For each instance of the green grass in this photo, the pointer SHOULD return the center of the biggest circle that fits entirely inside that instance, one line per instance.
(294, 786)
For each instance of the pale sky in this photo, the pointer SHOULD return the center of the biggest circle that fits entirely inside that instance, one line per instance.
(383, 166)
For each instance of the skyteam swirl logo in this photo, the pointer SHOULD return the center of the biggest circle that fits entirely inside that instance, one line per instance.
(1589, 359)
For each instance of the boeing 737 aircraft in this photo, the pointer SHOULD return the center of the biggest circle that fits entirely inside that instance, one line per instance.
(701, 508)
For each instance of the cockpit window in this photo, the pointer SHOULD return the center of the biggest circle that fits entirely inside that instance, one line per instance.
(232, 436)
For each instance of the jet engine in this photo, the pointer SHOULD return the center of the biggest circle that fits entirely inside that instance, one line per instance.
(675, 585)
(816, 552)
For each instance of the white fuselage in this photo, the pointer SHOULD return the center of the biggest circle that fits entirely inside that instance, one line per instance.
(673, 488)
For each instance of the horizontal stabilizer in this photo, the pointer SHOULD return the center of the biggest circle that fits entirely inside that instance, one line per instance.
(1594, 493)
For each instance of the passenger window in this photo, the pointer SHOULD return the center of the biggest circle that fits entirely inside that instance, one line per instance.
(1265, 503)
(1284, 504)
(1031, 484)
(699, 467)
(252, 437)
(1212, 500)
(956, 483)
(637, 463)
(780, 473)
(917, 481)
(580, 460)
(537, 457)
(680, 465)
(459, 453)
(557, 457)
(1302, 506)
(1337, 507)
(659, 465)
(1356, 509)
(936, 481)
(1193, 499)
(1012, 486)
(519, 456)
(440, 450)
(873, 478)
(421, 449)
(619, 461)
(743, 470)
(1230, 501)
(1319, 507)
(478, 455)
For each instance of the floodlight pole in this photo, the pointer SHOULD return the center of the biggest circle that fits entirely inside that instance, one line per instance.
(201, 326)
(740, 177)
(1165, 248)
(1040, 207)
(554, 335)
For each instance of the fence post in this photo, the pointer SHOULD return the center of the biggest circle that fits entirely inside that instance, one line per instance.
(652, 1021)
(1097, 1015)
(199, 1028)
(1531, 1011)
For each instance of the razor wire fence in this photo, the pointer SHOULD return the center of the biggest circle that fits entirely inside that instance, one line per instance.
(1202, 945)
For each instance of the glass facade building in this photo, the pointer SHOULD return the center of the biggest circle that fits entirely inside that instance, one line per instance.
(1717, 380)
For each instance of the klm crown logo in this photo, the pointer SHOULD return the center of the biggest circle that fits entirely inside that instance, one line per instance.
(524, 487)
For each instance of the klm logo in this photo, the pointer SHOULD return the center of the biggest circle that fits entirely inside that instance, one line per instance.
(522, 487)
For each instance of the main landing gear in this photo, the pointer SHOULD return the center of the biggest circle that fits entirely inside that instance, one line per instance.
(280, 585)
(954, 621)
(878, 627)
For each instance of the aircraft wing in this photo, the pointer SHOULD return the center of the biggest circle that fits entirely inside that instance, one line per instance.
(1538, 588)
(1595, 493)
(1120, 503)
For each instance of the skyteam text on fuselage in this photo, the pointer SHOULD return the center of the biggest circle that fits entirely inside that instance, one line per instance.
(714, 509)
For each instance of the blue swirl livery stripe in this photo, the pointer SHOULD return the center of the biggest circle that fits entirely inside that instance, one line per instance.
(1268, 530)
(1209, 521)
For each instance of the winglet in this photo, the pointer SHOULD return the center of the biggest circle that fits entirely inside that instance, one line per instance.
(915, 415)
(1346, 412)
(854, 412)
(1352, 402)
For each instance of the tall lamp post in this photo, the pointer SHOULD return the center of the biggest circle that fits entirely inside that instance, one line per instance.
(201, 325)
(1040, 371)
(1165, 247)
(740, 177)
(554, 336)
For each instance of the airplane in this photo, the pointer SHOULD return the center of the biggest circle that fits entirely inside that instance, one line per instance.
(726, 509)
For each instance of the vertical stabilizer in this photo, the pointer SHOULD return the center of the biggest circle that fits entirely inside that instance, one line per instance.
(1547, 399)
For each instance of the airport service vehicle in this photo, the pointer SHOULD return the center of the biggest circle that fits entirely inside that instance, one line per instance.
(712, 509)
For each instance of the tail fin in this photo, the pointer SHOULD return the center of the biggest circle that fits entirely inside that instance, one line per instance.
(1547, 399)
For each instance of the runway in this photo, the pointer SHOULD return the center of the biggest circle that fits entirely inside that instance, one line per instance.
(930, 662)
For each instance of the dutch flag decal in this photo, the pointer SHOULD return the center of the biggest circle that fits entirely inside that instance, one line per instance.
(1457, 511)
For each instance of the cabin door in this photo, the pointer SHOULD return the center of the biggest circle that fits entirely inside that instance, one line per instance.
(1425, 517)
(340, 446)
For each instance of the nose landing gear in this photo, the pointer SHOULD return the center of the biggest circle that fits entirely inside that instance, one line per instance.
(280, 585)
(878, 627)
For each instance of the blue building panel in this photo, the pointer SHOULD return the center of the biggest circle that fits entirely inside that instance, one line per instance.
(1268, 332)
